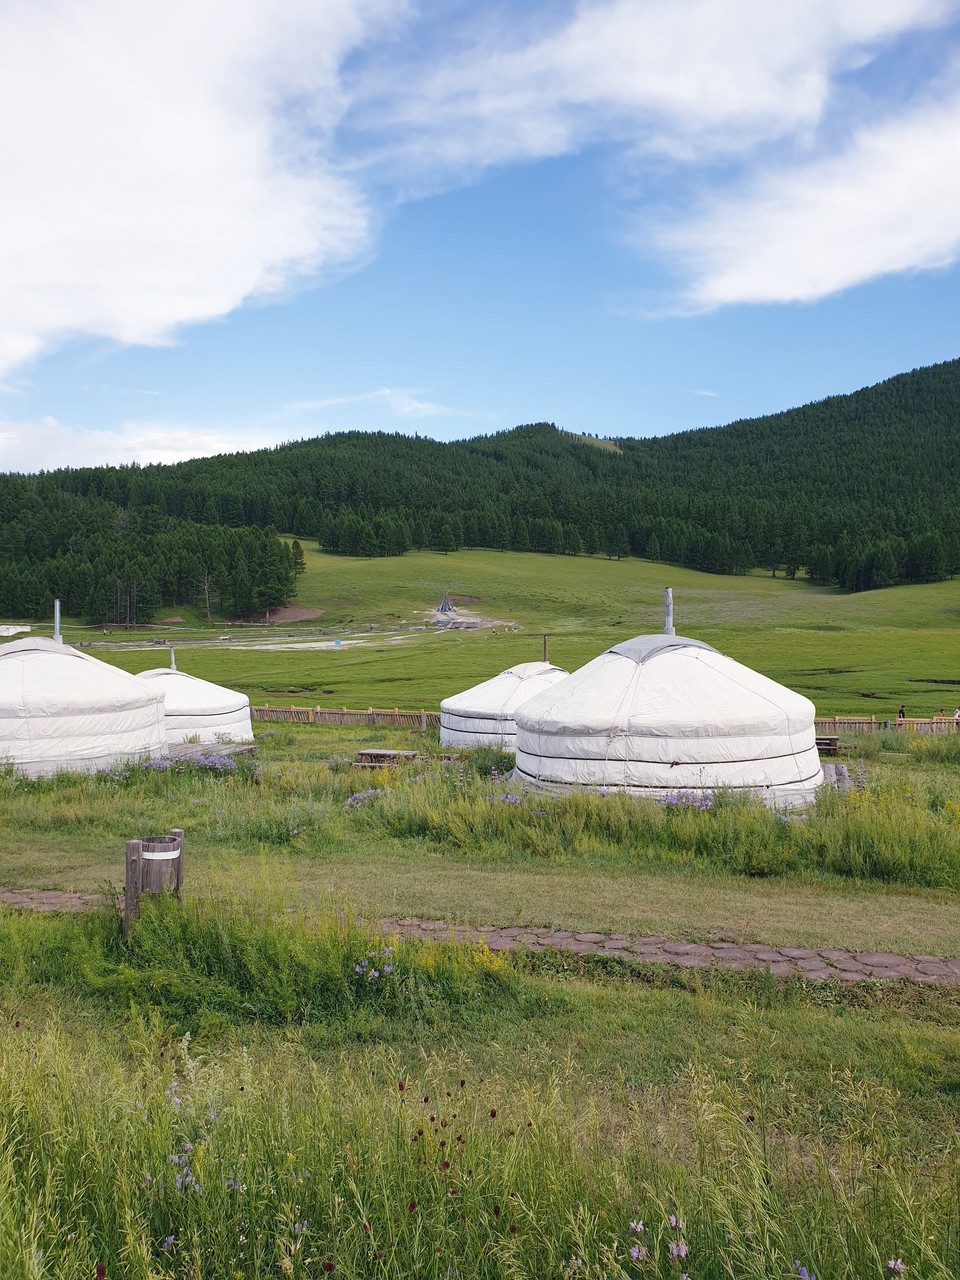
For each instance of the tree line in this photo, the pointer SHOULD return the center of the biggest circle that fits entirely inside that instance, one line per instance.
(114, 565)
(858, 490)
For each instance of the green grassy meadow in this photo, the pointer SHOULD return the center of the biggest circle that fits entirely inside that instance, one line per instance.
(235, 1092)
(230, 1094)
(852, 654)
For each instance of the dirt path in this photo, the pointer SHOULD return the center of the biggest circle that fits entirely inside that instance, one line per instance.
(783, 962)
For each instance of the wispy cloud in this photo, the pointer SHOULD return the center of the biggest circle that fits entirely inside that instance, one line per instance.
(888, 202)
(689, 78)
(399, 402)
(49, 443)
(699, 392)
(183, 158)
(29, 445)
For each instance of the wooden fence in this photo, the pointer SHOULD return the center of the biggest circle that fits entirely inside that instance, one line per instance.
(372, 716)
(423, 720)
(840, 725)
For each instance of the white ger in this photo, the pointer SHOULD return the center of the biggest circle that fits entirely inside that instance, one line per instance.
(199, 710)
(483, 716)
(64, 710)
(661, 714)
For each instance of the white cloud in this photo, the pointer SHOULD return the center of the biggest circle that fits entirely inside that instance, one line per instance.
(400, 402)
(688, 77)
(163, 161)
(889, 202)
(49, 443)
(704, 393)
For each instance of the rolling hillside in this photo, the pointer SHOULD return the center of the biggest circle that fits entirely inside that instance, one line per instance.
(861, 490)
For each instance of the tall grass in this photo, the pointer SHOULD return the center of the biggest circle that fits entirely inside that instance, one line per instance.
(159, 1164)
(207, 966)
(881, 834)
(901, 828)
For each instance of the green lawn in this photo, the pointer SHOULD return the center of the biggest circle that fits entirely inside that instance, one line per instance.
(852, 654)
(878, 873)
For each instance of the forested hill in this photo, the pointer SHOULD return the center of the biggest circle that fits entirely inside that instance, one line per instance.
(861, 489)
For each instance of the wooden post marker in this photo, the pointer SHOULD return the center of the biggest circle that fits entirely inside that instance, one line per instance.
(154, 864)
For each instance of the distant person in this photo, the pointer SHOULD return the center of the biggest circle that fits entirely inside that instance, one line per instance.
(941, 714)
(956, 718)
(902, 713)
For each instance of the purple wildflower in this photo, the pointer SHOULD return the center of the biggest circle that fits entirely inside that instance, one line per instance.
(897, 1267)
(360, 798)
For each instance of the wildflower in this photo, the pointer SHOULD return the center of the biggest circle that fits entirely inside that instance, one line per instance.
(510, 798)
(101, 1271)
(897, 1267)
(168, 1244)
(360, 798)
(329, 1266)
(300, 1227)
(638, 1253)
(401, 1085)
(802, 1271)
(637, 1227)
(677, 1249)
(412, 1206)
(675, 1223)
(493, 1113)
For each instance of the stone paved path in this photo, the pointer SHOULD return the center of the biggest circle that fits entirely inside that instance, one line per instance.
(783, 962)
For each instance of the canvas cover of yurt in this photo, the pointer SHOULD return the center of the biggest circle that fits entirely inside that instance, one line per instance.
(662, 714)
(483, 716)
(65, 710)
(200, 711)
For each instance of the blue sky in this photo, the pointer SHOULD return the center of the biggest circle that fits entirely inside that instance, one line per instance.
(628, 216)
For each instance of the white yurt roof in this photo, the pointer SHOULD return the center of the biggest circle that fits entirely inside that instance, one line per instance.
(64, 710)
(199, 709)
(660, 714)
(483, 715)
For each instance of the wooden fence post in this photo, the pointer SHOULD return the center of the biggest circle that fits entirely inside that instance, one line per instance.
(177, 833)
(423, 721)
(131, 884)
(154, 864)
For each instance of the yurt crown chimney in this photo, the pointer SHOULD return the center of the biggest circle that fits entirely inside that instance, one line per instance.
(668, 612)
(173, 659)
(56, 622)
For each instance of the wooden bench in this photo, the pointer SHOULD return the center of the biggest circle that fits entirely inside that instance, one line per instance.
(375, 758)
(828, 745)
